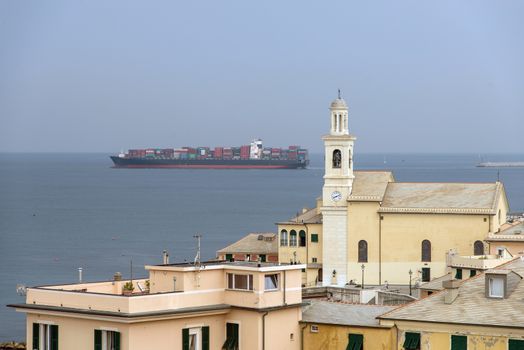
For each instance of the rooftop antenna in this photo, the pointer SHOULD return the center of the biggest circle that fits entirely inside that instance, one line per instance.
(498, 175)
(131, 270)
(197, 257)
(339, 94)
(197, 260)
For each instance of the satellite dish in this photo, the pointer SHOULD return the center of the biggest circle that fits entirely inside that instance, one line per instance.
(21, 289)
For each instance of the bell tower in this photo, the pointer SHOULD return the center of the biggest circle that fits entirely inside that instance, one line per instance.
(338, 183)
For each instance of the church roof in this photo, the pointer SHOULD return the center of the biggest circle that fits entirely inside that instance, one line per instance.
(446, 198)
(370, 185)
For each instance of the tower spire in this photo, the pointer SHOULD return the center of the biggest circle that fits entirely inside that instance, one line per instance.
(339, 94)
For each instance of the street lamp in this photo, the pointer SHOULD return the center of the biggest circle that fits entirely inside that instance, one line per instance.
(410, 273)
(363, 267)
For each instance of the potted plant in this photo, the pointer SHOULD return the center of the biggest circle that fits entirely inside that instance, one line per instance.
(128, 288)
(148, 285)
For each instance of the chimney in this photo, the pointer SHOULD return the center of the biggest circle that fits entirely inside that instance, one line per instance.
(117, 276)
(79, 275)
(452, 290)
(165, 257)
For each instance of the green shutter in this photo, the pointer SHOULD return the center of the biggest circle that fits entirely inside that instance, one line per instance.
(36, 336)
(458, 274)
(472, 273)
(426, 277)
(459, 342)
(185, 339)
(117, 340)
(231, 342)
(516, 344)
(411, 341)
(355, 342)
(54, 337)
(262, 257)
(229, 257)
(98, 339)
(205, 338)
(314, 238)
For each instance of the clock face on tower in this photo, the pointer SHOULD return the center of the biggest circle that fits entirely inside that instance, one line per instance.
(336, 196)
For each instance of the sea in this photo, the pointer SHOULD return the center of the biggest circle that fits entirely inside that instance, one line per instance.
(59, 212)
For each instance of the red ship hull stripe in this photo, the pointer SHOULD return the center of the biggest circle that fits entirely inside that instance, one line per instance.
(195, 166)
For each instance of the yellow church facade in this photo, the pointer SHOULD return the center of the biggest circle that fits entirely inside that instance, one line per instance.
(367, 225)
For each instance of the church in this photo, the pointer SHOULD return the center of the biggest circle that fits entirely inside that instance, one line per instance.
(369, 228)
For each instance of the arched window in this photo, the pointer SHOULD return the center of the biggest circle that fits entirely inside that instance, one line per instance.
(302, 238)
(283, 238)
(478, 248)
(426, 251)
(337, 158)
(362, 251)
(292, 238)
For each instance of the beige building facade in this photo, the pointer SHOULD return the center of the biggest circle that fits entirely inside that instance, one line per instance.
(214, 305)
(369, 225)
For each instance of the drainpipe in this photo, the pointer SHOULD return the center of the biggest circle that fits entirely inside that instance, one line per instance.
(284, 291)
(380, 218)
(264, 330)
(302, 336)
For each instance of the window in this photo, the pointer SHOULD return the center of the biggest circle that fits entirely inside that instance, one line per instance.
(283, 238)
(45, 336)
(107, 340)
(337, 158)
(229, 257)
(195, 338)
(231, 342)
(262, 257)
(412, 341)
(313, 260)
(241, 282)
(426, 251)
(362, 251)
(293, 238)
(458, 274)
(472, 273)
(355, 342)
(515, 344)
(271, 282)
(459, 342)
(313, 328)
(314, 238)
(496, 287)
(302, 238)
(478, 248)
(426, 274)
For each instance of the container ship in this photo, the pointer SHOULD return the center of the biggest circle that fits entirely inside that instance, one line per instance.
(252, 156)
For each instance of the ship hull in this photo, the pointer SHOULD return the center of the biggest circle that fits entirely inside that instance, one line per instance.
(146, 163)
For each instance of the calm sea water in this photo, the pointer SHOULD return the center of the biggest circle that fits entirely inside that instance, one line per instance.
(59, 212)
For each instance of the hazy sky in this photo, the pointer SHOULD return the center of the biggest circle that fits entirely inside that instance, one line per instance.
(419, 76)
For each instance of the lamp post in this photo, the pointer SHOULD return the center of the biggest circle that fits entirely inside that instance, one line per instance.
(363, 267)
(410, 273)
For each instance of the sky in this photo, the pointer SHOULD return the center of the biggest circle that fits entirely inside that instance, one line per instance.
(441, 76)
